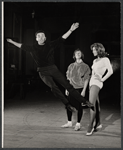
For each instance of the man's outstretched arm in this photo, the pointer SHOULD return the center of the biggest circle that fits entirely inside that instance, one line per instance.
(72, 28)
(14, 43)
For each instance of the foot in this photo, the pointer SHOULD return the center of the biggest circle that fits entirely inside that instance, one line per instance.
(96, 128)
(67, 125)
(88, 104)
(99, 127)
(90, 131)
(77, 127)
(70, 108)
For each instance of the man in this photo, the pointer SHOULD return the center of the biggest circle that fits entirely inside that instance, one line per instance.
(43, 54)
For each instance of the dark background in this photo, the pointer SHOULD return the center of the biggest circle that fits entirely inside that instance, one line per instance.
(99, 22)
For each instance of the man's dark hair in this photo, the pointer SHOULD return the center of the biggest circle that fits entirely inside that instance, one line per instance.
(39, 31)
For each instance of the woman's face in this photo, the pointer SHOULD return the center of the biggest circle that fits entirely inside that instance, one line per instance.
(78, 54)
(94, 51)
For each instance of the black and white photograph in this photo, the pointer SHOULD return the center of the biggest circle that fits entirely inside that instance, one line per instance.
(61, 74)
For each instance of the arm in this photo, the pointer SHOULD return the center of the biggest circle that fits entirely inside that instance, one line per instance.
(86, 78)
(109, 70)
(57, 42)
(68, 72)
(14, 43)
(73, 27)
(68, 78)
(85, 87)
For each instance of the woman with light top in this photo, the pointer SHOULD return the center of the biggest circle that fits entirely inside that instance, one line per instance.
(101, 71)
(78, 74)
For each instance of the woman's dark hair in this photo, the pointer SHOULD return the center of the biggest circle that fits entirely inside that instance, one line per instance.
(39, 31)
(100, 49)
(82, 54)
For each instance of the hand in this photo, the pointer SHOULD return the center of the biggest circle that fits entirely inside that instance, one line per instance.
(9, 40)
(83, 93)
(74, 26)
(66, 93)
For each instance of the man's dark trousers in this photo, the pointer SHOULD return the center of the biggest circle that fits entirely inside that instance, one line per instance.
(51, 73)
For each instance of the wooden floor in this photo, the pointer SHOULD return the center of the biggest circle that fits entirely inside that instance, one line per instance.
(35, 122)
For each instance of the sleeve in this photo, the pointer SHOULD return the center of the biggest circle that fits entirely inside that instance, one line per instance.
(94, 61)
(27, 48)
(108, 65)
(87, 72)
(68, 72)
(57, 42)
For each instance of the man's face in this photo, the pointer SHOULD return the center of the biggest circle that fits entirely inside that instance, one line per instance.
(41, 38)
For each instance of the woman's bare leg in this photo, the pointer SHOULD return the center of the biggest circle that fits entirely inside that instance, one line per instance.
(93, 95)
(97, 117)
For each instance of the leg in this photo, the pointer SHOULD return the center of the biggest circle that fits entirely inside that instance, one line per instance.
(79, 117)
(97, 118)
(69, 113)
(69, 116)
(79, 108)
(54, 88)
(48, 80)
(57, 75)
(94, 91)
(79, 112)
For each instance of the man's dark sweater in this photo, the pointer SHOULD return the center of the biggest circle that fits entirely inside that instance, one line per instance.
(43, 55)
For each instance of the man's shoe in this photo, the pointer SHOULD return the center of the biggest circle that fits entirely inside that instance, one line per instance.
(70, 108)
(88, 104)
(97, 128)
(67, 125)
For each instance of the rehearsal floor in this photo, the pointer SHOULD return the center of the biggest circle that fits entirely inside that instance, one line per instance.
(35, 122)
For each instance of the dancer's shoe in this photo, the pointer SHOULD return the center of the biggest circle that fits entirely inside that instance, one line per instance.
(77, 127)
(67, 125)
(97, 128)
(88, 104)
(90, 131)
